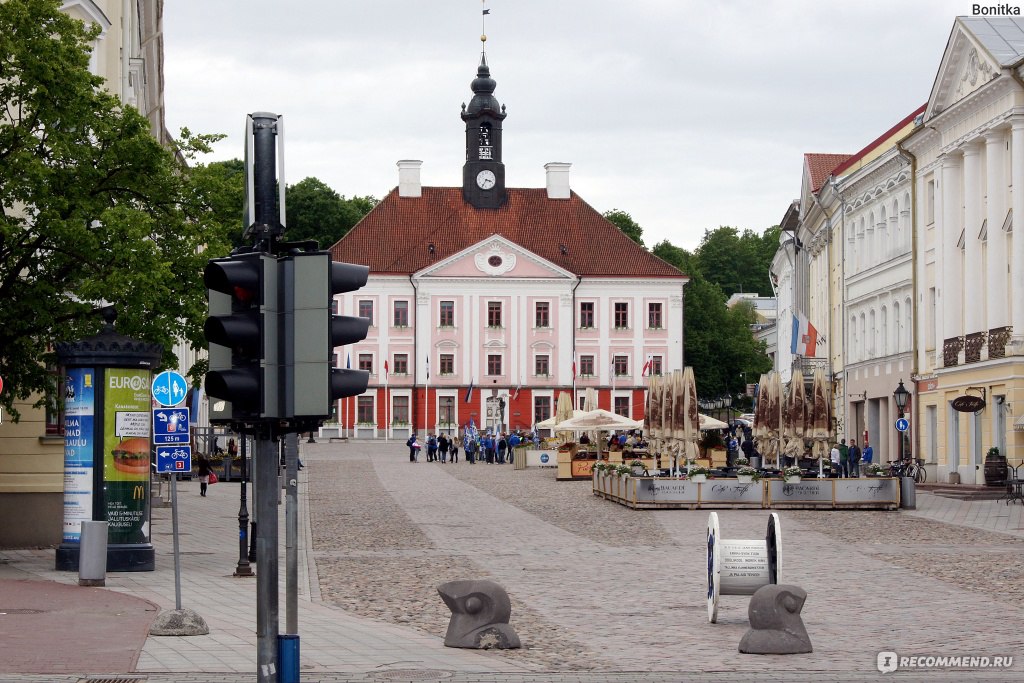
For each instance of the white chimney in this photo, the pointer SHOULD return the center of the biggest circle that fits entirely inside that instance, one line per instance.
(409, 178)
(558, 179)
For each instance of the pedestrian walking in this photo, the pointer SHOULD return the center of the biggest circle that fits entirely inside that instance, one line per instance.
(834, 457)
(854, 458)
(431, 448)
(204, 471)
(453, 449)
(414, 447)
(442, 448)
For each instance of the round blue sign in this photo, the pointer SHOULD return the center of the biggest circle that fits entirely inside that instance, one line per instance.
(169, 388)
(902, 424)
(544, 458)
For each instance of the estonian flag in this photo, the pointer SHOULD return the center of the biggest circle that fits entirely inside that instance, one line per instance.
(469, 392)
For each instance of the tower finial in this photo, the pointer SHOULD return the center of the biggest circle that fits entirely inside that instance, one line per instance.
(483, 27)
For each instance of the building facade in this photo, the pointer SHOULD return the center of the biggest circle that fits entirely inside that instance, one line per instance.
(969, 159)
(487, 302)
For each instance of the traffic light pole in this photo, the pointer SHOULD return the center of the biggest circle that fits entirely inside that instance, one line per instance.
(265, 466)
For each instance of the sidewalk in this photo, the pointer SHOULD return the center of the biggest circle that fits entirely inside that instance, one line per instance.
(35, 599)
(54, 631)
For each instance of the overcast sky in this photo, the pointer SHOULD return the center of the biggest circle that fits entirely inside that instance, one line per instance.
(686, 114)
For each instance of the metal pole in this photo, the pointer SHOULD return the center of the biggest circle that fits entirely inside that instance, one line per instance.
(255, 498)
(265, 467)
(174, 533)
(243, 568)
(899, 435)
(291, 520)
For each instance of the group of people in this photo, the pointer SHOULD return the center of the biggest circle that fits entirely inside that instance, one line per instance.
(491, 448)
(846, 460)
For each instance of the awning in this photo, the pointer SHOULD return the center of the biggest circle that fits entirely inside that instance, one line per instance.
(1018, 426)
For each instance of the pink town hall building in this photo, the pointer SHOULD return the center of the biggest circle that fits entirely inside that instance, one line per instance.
(487, 302)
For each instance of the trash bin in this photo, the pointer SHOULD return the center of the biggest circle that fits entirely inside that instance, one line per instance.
(755, 462)
(519, 458)
(92, 554)
(908, 493)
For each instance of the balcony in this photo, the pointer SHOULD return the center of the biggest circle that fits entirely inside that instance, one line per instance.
(808, 365)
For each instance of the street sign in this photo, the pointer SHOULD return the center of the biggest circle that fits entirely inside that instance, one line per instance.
(902, 424)
(169, 388)
(173, 459)
(170, 425)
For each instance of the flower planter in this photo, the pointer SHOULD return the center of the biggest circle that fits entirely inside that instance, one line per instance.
(698, 478)
(745, 478)
(638, 471)
(792, 480)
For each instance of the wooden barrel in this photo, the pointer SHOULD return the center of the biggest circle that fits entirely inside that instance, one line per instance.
(995, 470)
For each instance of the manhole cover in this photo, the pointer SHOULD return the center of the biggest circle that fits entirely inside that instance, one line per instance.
(410, 675)
(20, 611)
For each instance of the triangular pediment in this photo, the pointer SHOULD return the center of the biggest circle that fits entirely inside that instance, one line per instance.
(495, 257)
(967, 65)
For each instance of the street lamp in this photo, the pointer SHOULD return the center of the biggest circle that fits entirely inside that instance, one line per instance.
(901, 395)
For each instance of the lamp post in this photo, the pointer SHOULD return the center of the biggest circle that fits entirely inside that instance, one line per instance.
(900, 395)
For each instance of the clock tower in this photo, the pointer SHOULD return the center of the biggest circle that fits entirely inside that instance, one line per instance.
(483, 176)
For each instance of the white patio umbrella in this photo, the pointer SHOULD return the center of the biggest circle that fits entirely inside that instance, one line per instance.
(708, 422)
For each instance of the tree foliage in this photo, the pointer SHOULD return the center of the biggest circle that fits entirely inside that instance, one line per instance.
(626, 224)
(95, 211)
(738, 262)
(316, 212)
(719, 345)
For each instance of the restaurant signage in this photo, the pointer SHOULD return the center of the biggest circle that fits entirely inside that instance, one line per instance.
(967, 403)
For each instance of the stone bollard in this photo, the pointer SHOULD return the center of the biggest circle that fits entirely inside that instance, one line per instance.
(480, 613)
(775, 624)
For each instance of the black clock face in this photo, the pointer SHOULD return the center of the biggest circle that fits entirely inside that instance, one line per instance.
(494, 261)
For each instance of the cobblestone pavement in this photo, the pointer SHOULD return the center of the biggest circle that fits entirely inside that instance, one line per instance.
(599, 588)
(600, 593)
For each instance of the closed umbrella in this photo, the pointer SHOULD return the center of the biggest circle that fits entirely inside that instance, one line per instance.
(773, 417)
(652, 411)
(563, 411)
(821, 417)
(665, 441)
(796, 416)
(760, 429)
(691, 418)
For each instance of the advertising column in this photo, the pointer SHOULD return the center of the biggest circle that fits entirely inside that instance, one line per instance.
(107, 446)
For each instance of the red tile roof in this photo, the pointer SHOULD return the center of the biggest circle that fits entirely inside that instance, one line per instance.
(395, 236)
(838, 170)
(819, 167)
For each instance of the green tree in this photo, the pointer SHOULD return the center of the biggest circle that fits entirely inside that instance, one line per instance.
(738, 262)
(95, 210)
(316, 212)
(626, 224)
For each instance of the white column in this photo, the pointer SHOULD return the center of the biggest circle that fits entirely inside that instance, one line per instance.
(1017, 262)
(938, 273)
(973, 275)
(951, 277)
(995, 268)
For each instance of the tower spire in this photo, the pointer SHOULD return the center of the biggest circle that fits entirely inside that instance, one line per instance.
(483, 175)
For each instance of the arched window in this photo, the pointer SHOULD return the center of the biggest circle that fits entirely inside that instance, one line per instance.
(873, 335)
(863, 337)
(909, 326)
(897, 228)
(884, 332)
(854, 349)
(882, 237)
(896, 327)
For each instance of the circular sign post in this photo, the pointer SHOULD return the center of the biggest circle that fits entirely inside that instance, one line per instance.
(169, 388)
(902, 424)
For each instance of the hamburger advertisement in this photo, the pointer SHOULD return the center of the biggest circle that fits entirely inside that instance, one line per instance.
(127, 428)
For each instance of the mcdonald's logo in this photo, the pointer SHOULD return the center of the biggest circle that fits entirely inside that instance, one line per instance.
(139, 492)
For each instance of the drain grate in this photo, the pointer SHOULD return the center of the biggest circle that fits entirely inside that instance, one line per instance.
(410, 675)
(111, 680)
(4, 610)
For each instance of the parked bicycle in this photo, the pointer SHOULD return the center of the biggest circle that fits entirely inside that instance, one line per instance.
(913, 468)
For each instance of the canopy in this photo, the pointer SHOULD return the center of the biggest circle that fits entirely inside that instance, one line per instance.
(599, 419)
(707, 422)
(553, 420)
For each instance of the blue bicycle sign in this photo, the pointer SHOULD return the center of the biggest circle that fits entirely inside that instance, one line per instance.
(169, 388)
(173, 458)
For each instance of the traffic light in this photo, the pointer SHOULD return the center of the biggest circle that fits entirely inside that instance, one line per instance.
(242, 330)
(310, 333)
